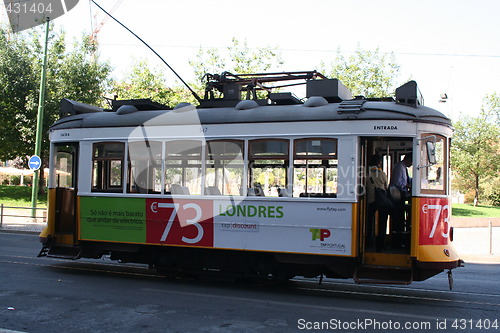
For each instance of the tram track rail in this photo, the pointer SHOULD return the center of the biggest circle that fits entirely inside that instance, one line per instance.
(375, 293)
(304, 286)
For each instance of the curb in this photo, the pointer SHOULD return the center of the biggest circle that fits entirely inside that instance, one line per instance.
(487, 259)
(14, 231)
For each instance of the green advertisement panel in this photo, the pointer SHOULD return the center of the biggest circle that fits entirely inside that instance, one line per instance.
(113, 219)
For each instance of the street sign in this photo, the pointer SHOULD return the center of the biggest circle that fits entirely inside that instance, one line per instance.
(35, 162)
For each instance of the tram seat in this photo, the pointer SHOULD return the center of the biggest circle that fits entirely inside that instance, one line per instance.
(178, 189)
(282, 192)
(255, 192)
(212, 190)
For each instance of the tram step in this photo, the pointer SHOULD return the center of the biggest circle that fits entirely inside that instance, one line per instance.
(43, 252)
(383, 275)
(63, 252)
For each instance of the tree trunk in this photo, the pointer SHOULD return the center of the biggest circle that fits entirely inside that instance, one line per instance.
(476, 192)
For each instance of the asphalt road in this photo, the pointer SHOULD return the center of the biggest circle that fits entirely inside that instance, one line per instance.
(51, 295)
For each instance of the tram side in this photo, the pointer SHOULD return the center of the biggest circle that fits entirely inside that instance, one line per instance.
(260, 194)
(189, 193)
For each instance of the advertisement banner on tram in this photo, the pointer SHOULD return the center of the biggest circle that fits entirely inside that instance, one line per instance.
(310, 227)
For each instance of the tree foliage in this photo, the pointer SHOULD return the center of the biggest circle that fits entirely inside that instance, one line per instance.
(79, 73)
(491, 106)
(73, 73)
(17, 88)
(239, 59)
(142, 82)
(365, 73)
(476, 150)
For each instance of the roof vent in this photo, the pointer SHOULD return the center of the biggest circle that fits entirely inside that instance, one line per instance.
(144, 104)
(183, 105)
(315, 101)
(126, 109)
(331, 89)
(246, 104)
(352, 106)
(409, 94)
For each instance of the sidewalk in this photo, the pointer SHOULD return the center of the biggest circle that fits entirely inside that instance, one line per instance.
(18, 219)
(19, 224)
(472, 243)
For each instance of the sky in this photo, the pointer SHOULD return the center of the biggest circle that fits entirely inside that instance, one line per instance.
(446, 46)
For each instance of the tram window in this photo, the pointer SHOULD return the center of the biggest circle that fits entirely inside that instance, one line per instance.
(65, 155)
(144, 171)
(315, 168)
(268, 164)
(433, 177)
(183, 167)
(107, 173)
(224, 167)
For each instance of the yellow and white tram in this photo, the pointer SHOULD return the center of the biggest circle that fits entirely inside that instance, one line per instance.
(268, 188)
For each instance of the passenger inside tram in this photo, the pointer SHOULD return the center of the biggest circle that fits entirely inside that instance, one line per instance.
(400, 188)
(377, 180)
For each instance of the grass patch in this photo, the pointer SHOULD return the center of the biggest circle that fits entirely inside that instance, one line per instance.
(20, 196)
(466, 210)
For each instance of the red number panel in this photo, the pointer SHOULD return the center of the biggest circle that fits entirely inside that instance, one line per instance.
(434, 221)
(180, 222)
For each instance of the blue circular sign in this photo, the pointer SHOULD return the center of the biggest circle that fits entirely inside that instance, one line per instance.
(35, 162)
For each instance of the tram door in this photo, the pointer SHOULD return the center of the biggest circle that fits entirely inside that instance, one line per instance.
(65, 187)
(384, 232)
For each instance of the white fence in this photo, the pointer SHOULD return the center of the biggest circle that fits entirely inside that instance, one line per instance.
(10, 214)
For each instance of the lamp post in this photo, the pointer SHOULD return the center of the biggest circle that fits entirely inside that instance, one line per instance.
(39, 123)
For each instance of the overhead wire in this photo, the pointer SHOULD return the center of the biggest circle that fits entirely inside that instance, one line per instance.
(156, 53)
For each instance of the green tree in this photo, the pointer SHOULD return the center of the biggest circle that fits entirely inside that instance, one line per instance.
(17, 87)
(240, 59)
(74, 73)
(476, 151)
(365, 73)
(491, 105)
(142, 82)
(80, 75)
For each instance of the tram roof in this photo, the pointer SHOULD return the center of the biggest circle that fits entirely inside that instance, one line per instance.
(248, 111)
